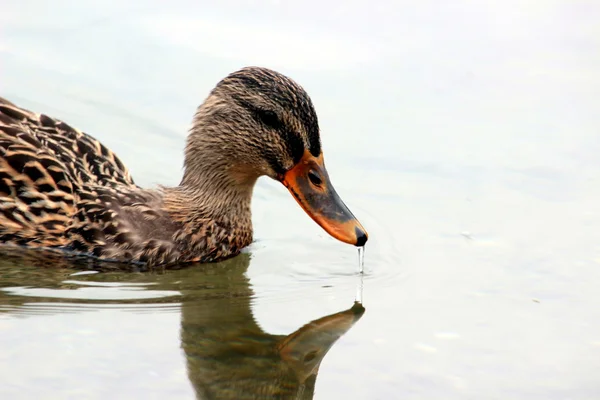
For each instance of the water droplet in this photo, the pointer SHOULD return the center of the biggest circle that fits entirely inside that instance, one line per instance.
(361, 259)
(361, 268)
(359, 291)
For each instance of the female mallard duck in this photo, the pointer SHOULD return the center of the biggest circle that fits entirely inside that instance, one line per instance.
(61, 188)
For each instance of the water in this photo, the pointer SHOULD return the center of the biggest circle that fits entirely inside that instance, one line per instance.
(361, 260)
(463, 135)
(359, 291)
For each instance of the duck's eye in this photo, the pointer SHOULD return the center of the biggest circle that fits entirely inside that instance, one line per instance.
(314, 178)
(269, 118)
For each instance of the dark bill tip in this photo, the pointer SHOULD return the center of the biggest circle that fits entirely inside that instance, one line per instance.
(361, 237)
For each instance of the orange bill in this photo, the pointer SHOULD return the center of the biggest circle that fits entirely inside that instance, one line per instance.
(309, 183)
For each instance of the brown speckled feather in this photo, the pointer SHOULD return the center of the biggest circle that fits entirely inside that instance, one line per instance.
(44, 167)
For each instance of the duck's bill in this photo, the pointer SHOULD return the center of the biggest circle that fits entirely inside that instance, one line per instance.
(309, 183)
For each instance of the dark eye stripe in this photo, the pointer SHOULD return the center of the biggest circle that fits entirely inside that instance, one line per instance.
(291, 140)
(266, 117)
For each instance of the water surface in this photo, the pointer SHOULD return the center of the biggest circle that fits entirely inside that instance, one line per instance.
(464, 136)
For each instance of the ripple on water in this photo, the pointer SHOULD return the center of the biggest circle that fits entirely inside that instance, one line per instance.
(383, 266)
(91, 293)
(81, 296)
(50, 308)
(30, 290)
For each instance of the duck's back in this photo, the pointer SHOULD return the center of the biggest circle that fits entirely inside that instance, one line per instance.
(45, 167)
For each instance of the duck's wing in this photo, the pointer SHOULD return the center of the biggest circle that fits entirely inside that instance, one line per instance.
(88, 160)
(44, 165)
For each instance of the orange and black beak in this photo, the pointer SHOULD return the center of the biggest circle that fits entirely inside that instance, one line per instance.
(309, 182)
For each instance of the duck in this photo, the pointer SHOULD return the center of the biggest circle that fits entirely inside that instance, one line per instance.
(62, 189)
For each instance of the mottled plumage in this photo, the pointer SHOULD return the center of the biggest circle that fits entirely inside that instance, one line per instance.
(61, 188)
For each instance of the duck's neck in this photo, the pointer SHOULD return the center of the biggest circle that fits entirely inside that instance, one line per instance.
(213, 190)
(218, 178)
(211, 197)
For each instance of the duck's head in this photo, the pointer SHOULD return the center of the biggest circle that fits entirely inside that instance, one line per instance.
(259, 122)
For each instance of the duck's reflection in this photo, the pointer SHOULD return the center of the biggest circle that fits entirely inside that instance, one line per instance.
(228, 355)
(231, 357)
